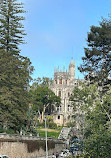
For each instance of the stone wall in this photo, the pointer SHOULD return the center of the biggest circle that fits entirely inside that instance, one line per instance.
(28, 147)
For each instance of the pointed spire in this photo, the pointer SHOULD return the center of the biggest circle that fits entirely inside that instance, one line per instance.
(71, 60)
(74, 62)
(58, 68)
(64, 69)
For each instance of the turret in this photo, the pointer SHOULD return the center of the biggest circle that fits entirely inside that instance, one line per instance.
(72, 69)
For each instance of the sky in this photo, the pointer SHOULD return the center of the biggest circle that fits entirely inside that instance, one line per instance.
(57, 32)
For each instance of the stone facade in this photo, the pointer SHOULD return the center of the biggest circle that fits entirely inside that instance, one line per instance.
(63, 85)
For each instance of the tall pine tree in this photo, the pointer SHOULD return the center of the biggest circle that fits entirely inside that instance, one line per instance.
(11, 28)
(15, 70)
(97, 60)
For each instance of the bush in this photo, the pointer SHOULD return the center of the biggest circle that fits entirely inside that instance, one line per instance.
(71, 124)
(51, 125)
(1, 129)
(42, 125)
(10, 131)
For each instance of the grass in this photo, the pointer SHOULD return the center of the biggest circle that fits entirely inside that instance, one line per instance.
(50, 133)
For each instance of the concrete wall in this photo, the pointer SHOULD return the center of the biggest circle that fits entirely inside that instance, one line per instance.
(28, 147)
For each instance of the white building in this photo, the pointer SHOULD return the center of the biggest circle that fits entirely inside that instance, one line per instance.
(63, 85)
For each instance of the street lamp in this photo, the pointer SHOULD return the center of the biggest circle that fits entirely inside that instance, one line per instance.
(45, 100)
(46, 138)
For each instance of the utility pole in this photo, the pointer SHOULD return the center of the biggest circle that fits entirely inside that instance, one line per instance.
(46, 138)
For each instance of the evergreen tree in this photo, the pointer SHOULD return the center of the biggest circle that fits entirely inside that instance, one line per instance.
(15, 70)
(11, 28)
(94, 97)
(97, 60)
(14, 83)
(43, 82)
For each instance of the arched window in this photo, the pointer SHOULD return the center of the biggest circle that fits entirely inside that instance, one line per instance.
(68, 108)
(68, 94)
(60, 81)
(56, 81)
(58, 117)
(57, 108)
(59, 94)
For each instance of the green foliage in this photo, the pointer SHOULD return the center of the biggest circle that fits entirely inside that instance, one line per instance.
(49, 134)
(70, 124)
(97, 110)
(43, 96)
(41, 125)
(11, 28)
(43, 100)
(15, 69)
(43, 82)
(51, 125)
(31, 122)
(95, 99)
(98, 125)
(10, 131)
(1, 129)
(14, 82)
(97, 59)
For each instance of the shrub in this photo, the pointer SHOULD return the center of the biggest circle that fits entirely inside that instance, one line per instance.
(1, 130)
(51, 125)
(71, 124)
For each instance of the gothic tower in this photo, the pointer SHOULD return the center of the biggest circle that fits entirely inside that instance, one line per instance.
(72, 69)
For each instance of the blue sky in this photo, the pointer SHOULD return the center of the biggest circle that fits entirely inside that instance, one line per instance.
(57, 31)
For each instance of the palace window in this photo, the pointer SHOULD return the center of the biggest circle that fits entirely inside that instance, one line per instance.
(58, 117)
(68, 94)
(58, 108)
(59, 94)
(68, 108)
(60, 81)
(66, 81)
(56, 81)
